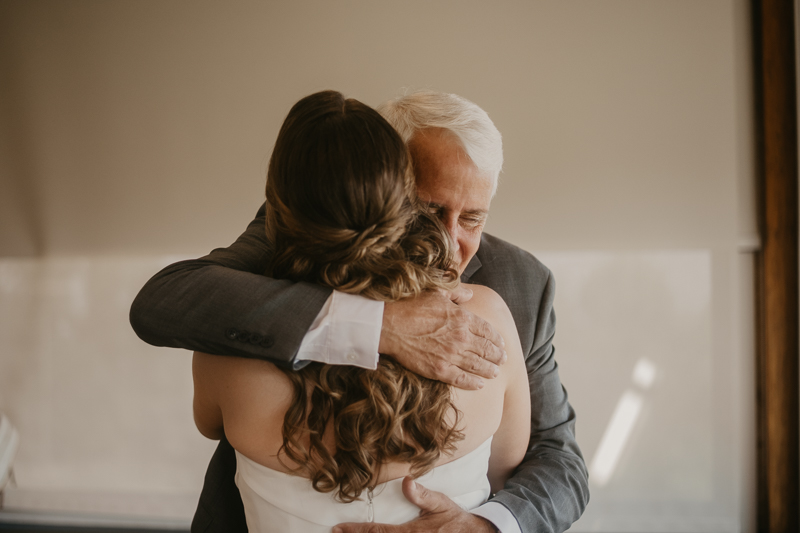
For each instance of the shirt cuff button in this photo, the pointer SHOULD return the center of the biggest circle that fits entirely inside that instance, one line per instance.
(267, 342)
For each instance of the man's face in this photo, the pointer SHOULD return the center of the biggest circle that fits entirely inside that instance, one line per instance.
(457, 192)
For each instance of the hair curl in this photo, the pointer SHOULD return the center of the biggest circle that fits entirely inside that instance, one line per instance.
(341, 212)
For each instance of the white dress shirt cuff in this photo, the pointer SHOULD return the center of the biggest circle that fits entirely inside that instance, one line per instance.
(499, 515)
(347, 331)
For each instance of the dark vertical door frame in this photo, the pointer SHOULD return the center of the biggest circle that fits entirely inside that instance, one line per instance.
(777, 368)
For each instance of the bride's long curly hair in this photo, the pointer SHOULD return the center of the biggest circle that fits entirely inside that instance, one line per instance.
(342, 212)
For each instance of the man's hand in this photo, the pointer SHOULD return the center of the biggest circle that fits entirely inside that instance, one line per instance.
(434, 337)
(438, 513)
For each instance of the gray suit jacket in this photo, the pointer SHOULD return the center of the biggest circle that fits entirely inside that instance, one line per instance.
(221, 304)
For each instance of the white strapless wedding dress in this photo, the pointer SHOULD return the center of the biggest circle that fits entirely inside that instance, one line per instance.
(278, 502)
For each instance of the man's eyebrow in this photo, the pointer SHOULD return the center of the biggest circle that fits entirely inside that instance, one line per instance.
(478, 212)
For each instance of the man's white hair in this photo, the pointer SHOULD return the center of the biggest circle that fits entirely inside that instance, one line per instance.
(470, 125)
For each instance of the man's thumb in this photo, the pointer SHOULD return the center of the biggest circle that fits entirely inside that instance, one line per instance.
(420, 496)
(460, 295)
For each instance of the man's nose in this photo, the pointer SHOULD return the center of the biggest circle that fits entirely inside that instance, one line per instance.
(452, 229)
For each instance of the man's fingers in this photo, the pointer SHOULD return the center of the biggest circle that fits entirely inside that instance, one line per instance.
(493, 353)
(490, 343)
(475, 364)
(463, 380)
(470, 373)
(482, 328)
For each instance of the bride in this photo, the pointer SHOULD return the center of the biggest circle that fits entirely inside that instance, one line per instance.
(330, 444)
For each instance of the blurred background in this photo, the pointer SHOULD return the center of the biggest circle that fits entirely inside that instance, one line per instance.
(137, 133)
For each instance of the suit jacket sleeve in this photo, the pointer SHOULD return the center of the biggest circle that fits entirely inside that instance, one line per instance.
(549, 490)
(223, 304)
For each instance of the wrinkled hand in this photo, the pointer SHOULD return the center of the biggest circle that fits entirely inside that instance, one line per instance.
(438, 513)
(434, 337)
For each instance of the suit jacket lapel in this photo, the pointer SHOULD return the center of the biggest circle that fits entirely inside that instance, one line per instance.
(476, 263)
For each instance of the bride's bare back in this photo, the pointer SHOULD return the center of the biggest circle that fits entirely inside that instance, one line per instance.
(249, 398)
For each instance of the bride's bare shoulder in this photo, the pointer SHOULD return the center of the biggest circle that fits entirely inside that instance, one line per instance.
(489, 305)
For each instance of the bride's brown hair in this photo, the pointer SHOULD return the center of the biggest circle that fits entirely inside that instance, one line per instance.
(342, 212)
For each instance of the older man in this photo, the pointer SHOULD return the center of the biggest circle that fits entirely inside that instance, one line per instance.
(221, 304)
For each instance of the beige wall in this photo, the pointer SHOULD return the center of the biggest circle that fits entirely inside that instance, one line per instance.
(135, 132)
(145, 127)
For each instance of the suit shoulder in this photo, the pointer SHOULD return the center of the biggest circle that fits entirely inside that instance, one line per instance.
(501, 256)
(526, 285)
